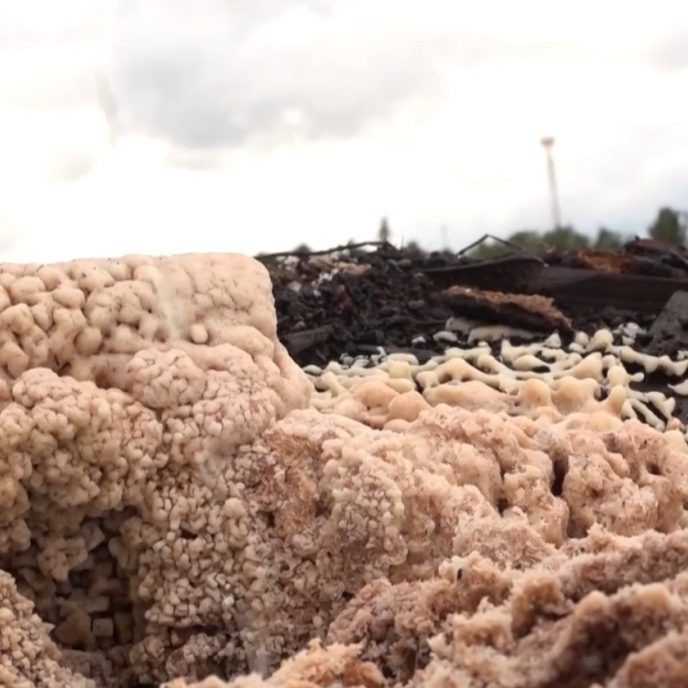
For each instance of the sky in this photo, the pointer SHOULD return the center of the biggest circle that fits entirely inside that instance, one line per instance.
(169, 126)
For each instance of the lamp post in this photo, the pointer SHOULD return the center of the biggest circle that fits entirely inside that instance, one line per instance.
(548, 144)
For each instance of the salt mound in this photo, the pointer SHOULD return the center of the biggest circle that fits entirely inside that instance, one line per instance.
(172, 509)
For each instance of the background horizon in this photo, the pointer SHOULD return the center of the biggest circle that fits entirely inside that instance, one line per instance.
(157, 127)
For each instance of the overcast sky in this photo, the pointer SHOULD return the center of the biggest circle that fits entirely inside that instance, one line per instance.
(167, 126)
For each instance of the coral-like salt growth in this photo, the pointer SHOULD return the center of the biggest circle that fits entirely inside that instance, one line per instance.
(172, 511)
(540, 380)
(127, 388)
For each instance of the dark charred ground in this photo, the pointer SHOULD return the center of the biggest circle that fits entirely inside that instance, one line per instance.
(356, 301)
(324, 312)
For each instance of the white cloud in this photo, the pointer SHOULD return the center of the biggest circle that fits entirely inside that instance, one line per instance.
(227, 76)
(164, 126)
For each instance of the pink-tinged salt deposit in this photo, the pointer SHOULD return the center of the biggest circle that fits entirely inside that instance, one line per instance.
(179, 504)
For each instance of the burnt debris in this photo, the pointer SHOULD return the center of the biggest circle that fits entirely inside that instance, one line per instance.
(354, 299)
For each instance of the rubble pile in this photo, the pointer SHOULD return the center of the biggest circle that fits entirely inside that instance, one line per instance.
(357, 305)
(182, 505)
(352, 300)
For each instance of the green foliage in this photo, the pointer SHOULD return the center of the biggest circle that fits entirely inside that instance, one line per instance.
(608, 240)
(527, 240)
(489, 250)
(414, 248)
(565, 239)
(560, 239)
(668, 227)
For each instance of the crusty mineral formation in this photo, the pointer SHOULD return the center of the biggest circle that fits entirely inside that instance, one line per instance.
(171, 508)
(128, 388)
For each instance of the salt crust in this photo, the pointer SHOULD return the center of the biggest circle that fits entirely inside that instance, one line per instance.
(163, 480)
(538, 380)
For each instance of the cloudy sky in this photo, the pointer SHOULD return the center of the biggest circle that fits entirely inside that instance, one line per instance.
(166, 126)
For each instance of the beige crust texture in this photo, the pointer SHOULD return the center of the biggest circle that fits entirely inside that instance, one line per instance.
(174, 509)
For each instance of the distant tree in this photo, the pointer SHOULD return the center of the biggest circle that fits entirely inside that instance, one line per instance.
(487, 250)
(560, 239)
(302, 248)
(565, 239)
(527, 239)
(668, 227)
(384, 233)
(414, 248)
(608, 240)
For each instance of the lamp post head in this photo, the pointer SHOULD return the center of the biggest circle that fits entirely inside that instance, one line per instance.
(547, 141)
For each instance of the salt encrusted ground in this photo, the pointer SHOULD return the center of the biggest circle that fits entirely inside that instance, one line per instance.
(179, 500)
(588, 375)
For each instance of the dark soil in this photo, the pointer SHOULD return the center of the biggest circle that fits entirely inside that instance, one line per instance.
(388, 306)
(324, 313)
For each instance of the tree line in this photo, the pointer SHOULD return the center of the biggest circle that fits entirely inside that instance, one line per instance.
(669, 227)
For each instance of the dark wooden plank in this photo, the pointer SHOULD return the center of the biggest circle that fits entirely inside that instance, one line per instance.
(589, 287)
(568, 286)
(300, 341)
